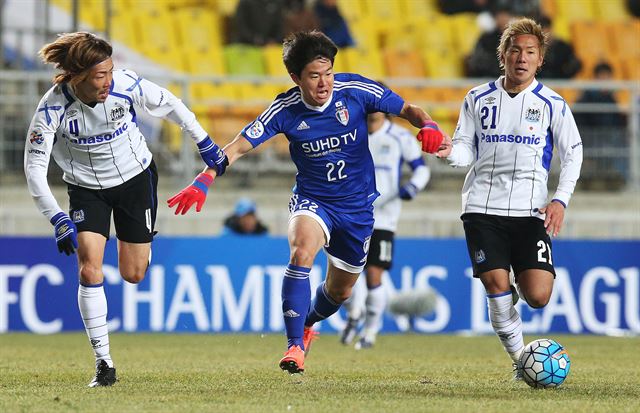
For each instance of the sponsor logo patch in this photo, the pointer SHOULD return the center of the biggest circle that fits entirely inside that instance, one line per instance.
(36, 137)
(117, 113)
(342, 113)
(302, 126)
(255, 130)
(480, 257)
(533, 114)
(78, 216)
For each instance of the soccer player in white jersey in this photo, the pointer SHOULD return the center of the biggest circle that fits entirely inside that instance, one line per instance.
(390, 145)
(87, 122)
(324, 119)
(507, 131)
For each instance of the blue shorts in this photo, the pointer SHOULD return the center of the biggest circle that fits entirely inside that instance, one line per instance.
(347, 234)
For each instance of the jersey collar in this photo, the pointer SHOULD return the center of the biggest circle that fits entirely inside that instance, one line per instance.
(317, 108)
(529, 88)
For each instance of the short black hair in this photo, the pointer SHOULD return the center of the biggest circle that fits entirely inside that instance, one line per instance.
(601, 67)
(301, 48)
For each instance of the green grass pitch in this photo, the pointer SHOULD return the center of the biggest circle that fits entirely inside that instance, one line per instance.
(239, 373)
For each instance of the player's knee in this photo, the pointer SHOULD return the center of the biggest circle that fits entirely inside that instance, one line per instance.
(339, 295)
(90, 274)
(302, 257)
(537, 300)
(133, 274)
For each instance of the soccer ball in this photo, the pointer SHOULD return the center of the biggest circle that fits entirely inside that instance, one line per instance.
(545, 363)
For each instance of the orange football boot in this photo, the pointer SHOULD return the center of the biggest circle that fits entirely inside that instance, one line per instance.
(293, 360)
(309, 335)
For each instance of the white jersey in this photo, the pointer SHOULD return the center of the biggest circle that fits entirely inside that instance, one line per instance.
(97, 147)
(510, 143)
(390, 146)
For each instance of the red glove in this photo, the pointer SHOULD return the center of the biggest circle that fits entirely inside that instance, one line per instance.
(194, 193)
(431, 137)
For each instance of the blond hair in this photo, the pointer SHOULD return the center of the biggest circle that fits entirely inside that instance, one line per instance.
(519, 27)
(75, 53)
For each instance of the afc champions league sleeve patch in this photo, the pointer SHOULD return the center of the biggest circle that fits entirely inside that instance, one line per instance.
(36, 137)
(255, 130)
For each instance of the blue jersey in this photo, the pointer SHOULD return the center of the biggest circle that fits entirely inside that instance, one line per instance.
(329, 144)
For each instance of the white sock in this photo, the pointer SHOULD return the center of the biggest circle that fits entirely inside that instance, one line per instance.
(375, 304)
(506, 323)
(353, 305)
(93, 309)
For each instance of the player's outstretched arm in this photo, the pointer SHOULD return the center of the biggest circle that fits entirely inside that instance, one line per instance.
(430, 135)
(196, 192)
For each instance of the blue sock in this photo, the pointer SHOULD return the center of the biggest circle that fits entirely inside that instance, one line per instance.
(296, 296)
(322, 307)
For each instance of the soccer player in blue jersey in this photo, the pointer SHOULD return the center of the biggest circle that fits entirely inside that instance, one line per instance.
(325, 120)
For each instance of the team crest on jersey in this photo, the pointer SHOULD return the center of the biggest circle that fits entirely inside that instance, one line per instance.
(533, 114)
(255, 130)
(480, 257)
(78, 216)
(36, 137)
(342, 113)
(117, 113)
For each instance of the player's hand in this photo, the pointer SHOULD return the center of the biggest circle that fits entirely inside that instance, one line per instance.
(445, 149)
(408, 191)
(554, 217)
(213, 156)
(65, 232)
(431, 137)
(194, 193)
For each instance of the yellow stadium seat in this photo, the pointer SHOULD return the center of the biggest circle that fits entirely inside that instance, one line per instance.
(340, 64)
(227, 7)
(421, 9)
(624, 37)
(611, 10)
(576, 10)
(221, 92)
(590, 39)
(198, 28)
(257, 93)
(241, 59)
(204, 62)
(437, 34)
(465, 32)
(273, 60)
(366, 33)
(442, 64)
(386, 10)
(404, 36)
(366, 62)
(352, 9)
(631, 67)
(403, 63)
(128, 29)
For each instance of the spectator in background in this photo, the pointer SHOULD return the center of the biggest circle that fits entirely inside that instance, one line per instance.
(244, 220)
(560, 61)
(299, 17)
(603, 129)
(259, 22)
(482, 61)
(634, 7)
(332, 23)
